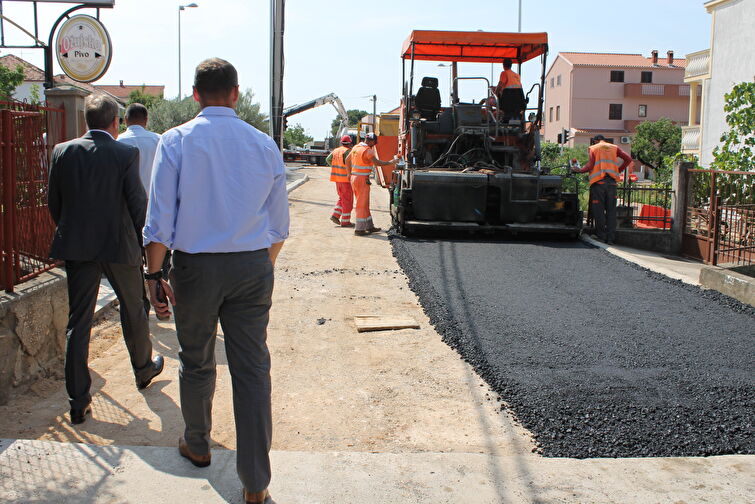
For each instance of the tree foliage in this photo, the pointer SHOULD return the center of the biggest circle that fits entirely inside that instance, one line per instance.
(656, 144)
(557, 162)
(166, 114)
(737, 149)
(295, 136)
(355, 115)
(249, 111)
(139, 96)
(35, 95)
(10, 80)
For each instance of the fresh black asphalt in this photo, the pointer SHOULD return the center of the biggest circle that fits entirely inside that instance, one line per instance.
(595, 356)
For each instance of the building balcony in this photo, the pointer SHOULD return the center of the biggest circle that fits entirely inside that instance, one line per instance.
(691, 140)
(635, 90)
(698, 66)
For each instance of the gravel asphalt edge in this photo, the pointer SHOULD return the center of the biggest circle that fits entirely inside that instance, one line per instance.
(453, 333)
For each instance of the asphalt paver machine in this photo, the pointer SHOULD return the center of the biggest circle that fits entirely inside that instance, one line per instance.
(475, 166)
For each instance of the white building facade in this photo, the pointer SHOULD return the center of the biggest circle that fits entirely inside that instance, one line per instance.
(729, 61)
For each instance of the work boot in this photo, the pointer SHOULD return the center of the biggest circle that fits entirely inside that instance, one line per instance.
(361, 232)
(335, 220)
(374, 229)
(348, 225)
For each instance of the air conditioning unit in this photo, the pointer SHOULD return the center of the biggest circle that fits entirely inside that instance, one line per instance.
(626, 139)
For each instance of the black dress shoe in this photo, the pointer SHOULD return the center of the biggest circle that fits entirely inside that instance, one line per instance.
(157, 367)
(79, 415)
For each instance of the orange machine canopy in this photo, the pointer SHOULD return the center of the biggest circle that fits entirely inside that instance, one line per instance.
(476, 46)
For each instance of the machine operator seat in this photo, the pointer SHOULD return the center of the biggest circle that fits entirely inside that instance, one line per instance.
(427, 100)
(512, 103)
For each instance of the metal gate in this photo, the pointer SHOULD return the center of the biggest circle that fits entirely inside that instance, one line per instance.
(719, 225)
(28, 134)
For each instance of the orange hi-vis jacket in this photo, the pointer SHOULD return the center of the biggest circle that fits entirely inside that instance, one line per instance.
(607, 162)
(339, 172)
(362, 157)
(512, 79)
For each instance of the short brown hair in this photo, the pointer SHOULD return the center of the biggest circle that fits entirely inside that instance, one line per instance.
(215, 78)
(100, 111)
(136, 112)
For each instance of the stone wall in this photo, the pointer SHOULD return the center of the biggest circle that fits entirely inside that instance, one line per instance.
(33, 332)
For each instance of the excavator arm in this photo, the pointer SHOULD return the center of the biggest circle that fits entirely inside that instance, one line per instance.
(317, 102)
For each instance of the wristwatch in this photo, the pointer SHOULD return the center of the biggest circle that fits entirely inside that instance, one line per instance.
(157, 275)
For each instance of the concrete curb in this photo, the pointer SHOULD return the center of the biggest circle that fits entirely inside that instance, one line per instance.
(296, 183)
(640, 262)
(731, 283)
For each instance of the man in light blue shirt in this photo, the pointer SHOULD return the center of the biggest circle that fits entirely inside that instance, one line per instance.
(218, 199)
(146, 141)
(138, 136)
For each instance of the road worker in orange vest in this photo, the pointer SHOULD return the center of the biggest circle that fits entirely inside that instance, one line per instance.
(508, 78)
(362, 158)
(606, 163)
(340, 169)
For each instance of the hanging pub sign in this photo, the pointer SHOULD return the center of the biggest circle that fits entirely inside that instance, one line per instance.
(83, 48)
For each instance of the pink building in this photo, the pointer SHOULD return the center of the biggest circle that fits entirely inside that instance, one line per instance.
(610, 94)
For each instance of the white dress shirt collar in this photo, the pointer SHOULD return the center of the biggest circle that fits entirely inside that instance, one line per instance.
(222, 111)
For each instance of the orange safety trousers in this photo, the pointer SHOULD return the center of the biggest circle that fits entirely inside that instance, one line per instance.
(362, 193)
(342, 211)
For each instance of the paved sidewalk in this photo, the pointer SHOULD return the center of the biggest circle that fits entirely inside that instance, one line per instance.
(60, 473)
(678, 268)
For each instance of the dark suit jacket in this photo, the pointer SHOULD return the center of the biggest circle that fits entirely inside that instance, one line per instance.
(96, 200)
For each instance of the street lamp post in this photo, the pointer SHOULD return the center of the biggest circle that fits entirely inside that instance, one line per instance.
(181, 8)
(520, 15)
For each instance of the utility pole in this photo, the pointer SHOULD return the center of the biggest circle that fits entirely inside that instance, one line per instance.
(180, 9)
(374, 114)
(277, 16)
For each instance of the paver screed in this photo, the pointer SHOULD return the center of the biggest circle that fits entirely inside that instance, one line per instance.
(595, 356)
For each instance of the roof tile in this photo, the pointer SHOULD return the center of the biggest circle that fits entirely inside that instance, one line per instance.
(619, 60)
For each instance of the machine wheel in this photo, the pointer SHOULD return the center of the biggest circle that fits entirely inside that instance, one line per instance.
(401, 222)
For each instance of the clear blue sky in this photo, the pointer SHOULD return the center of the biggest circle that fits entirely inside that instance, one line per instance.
(339, 46)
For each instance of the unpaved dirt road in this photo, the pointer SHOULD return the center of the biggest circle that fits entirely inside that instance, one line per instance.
(404, 395)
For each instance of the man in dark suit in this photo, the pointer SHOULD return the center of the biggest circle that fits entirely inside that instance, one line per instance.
(98, 204)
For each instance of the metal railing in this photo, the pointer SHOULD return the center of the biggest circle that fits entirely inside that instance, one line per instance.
(641, 207)
(27, 134)
(651, 206)
(719, 223)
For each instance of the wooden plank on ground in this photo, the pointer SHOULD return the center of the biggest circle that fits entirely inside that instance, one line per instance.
(384, 322)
